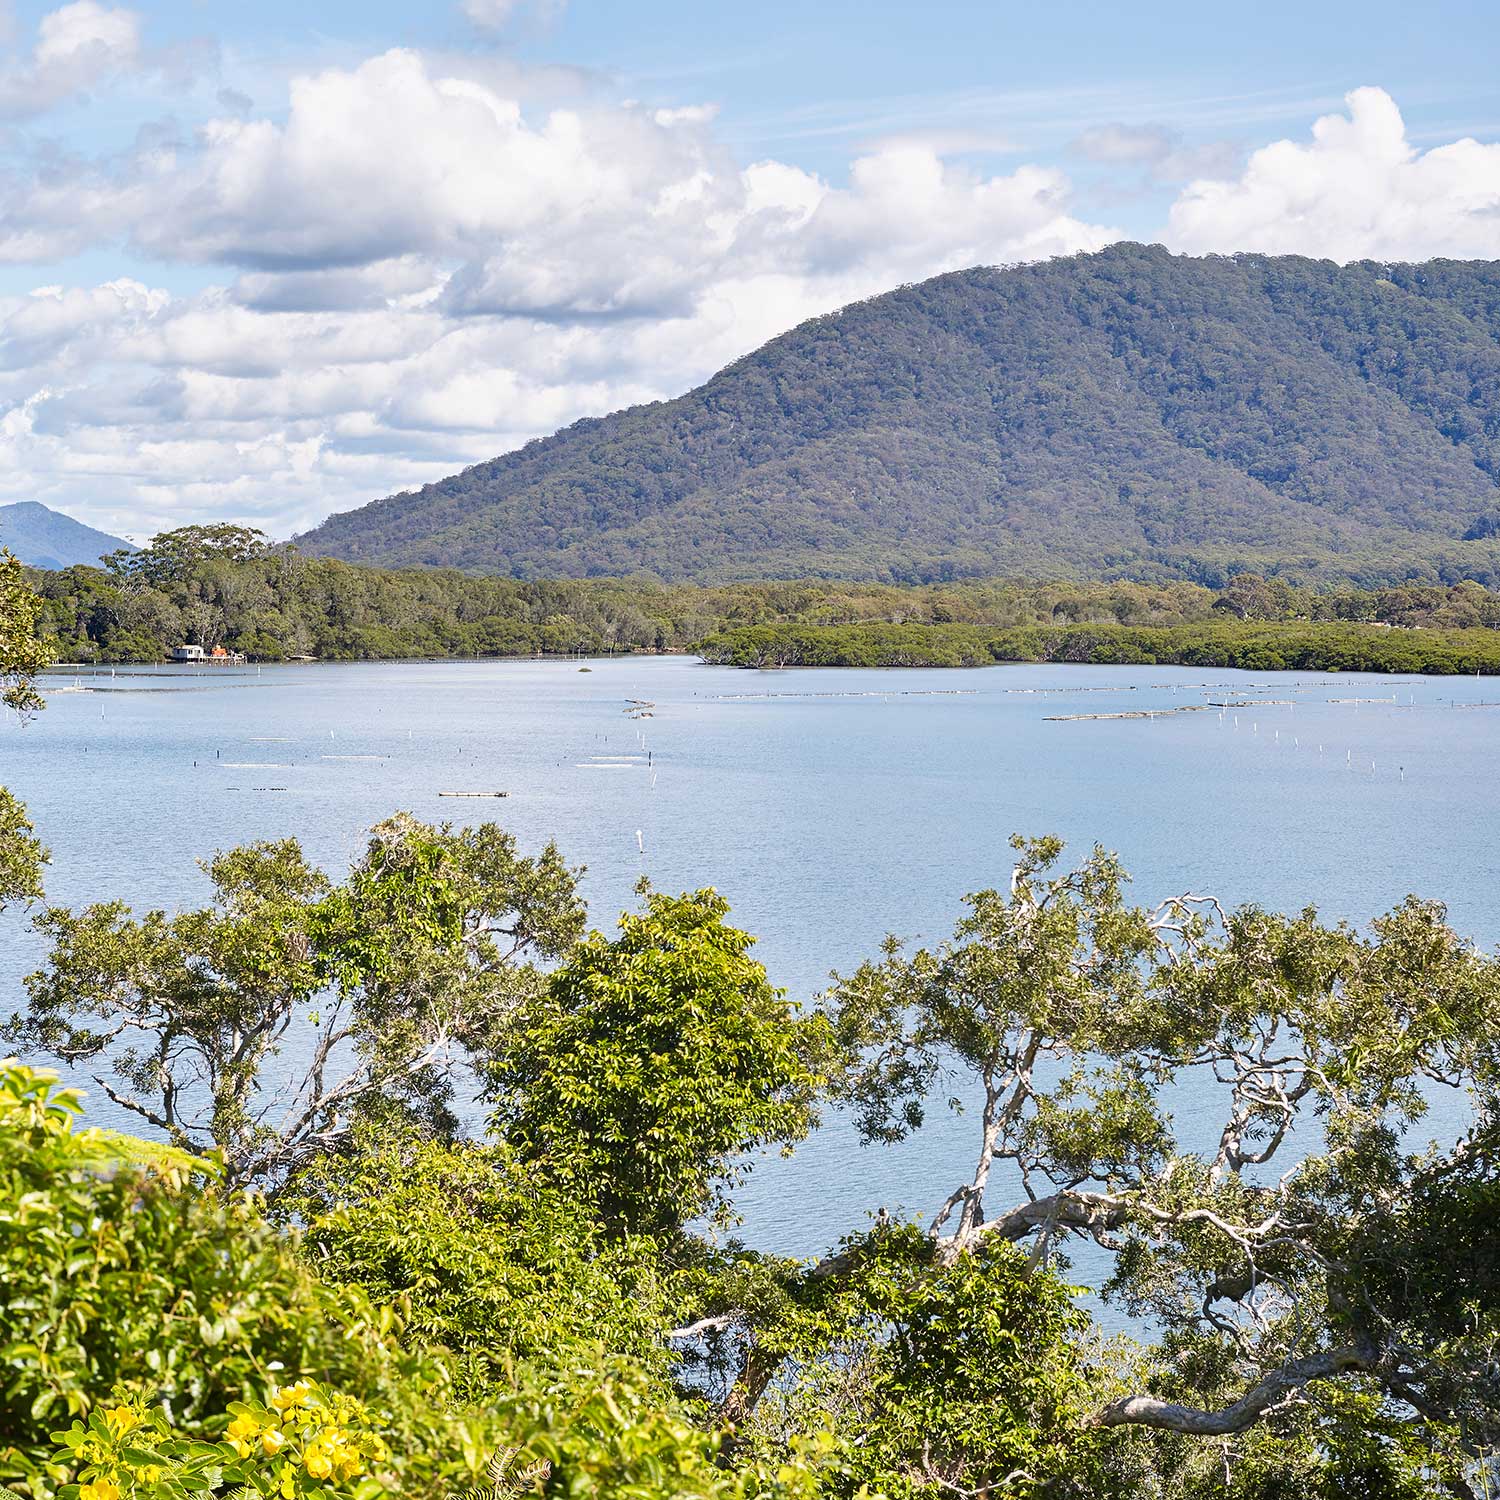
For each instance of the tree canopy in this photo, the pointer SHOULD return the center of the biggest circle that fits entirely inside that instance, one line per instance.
(388, 1296)
(23, 651)
(377, 985)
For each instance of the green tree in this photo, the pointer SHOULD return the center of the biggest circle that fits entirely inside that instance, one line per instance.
(21, 854)
(22, 651)
(383, 983)
(22, 655)
(177, 1343)
(1329, 1322)
(489, 1259)
(654, 1063)
(1072, 1014)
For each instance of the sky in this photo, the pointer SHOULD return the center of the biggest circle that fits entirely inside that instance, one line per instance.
(260, 263)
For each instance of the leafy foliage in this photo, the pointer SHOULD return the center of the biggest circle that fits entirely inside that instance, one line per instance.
(1095, 415)
(489, 1259)
(21, 854)
(224, 585)
(1253, 646)
(383, 980)
(654, 1062)
(124, 1277)
(1319, 1302)
(307, 1444)
(540, 1313)
(979, 1379)
(190, 1347)
(23, 653)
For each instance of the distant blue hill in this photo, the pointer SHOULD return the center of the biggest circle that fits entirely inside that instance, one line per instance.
(44, 538)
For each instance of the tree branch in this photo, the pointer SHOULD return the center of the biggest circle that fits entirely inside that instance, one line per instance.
(1269, 1391)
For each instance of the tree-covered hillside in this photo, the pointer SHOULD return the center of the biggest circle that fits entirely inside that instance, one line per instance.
(1129, 413)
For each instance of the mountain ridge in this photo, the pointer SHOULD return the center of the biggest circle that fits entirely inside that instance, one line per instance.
(1125, 413)
(45, 538)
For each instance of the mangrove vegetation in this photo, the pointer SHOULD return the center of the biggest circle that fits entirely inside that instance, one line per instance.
(226, 586)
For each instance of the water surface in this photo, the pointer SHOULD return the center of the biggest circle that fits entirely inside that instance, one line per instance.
(830, 806)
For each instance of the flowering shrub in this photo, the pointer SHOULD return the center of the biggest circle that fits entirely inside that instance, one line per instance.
(309, 1443)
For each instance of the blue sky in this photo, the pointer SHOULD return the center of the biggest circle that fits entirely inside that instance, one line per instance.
(267, 261)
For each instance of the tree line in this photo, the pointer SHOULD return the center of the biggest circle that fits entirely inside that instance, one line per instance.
(1246, 646)
(227, 586)
(315, 1275)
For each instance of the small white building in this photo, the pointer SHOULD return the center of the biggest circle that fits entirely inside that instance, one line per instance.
(187, 653)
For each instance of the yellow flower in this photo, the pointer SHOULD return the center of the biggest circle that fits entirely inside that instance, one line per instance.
(348, 1462)
(273, 1440)
(242, 1433)
(292, 1395)
(120, 1420)
(316, 1458)
(99, 1489)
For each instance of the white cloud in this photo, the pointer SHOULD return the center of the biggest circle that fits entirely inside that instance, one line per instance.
(493, 15)
(1158, 150)
(76, 48)
(1358, 189)
(1116, 143)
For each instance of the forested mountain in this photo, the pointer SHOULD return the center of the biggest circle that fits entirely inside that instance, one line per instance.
(44, 538)
(1128, 413)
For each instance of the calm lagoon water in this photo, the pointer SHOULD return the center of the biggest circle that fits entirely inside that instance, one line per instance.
(831, 807)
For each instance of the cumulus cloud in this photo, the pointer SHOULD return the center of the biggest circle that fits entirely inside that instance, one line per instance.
(76, 48)
(1359, 188)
